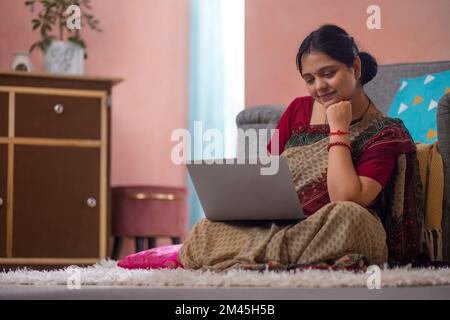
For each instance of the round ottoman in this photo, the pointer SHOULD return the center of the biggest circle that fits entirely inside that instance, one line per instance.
(148, 212)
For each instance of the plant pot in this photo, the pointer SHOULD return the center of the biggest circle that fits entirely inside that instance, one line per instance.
(64, 57)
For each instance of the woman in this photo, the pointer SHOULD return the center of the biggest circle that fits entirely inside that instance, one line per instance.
(355, 171)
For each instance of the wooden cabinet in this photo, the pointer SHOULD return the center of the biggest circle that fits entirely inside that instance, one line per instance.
(60, 117)
(4, 100)
(54, 168)
(4, 114)
(56, 184)
(3, 180)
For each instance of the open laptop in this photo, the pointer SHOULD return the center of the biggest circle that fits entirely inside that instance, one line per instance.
(240, 192)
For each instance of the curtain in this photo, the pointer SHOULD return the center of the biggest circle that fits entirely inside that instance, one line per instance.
(216, 79)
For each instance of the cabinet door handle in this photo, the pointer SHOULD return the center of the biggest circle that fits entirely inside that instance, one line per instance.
(1, 202)
(59, 108)
(91, 202)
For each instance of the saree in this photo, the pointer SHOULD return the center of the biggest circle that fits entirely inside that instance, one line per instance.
(339, 234)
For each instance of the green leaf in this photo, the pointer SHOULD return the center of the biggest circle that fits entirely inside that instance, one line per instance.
(43, 45)
(77, 41)
(33, 46)
(36, 23)
(44, 29)
(52, 17)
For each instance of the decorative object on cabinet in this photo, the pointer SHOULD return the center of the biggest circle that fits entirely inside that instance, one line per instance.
(22, 62)
(64, 53)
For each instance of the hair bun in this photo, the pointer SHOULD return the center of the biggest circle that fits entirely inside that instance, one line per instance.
(369, 67)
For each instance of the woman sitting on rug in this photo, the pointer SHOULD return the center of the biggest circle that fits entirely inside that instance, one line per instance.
(354, 168)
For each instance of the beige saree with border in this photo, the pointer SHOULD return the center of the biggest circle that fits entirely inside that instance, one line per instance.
(338, 235)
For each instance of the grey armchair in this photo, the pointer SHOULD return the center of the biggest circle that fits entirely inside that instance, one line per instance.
(381, 90)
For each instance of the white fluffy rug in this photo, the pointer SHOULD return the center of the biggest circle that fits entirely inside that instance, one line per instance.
(106, 273)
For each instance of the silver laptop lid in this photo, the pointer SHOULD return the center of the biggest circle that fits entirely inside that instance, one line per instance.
(240, 192)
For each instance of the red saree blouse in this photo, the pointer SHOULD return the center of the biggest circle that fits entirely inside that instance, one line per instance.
(376, 163)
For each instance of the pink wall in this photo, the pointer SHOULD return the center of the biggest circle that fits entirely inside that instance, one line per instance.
(412, 31)
(145, 42)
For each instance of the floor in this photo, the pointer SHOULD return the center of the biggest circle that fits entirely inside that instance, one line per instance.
(176, 293)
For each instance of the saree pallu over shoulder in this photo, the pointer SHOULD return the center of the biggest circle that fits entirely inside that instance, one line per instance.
(307, 155)
(403, 214)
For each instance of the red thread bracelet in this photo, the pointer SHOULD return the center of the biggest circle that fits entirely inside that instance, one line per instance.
(337, 143)
(339, 132)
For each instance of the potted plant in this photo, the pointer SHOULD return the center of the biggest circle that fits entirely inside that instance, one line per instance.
(66, 51)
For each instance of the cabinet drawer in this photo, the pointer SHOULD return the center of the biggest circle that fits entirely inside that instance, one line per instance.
(4, 99)
(54, 116)
(3, 184)
(53, 217)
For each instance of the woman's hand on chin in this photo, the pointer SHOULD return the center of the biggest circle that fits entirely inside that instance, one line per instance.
(339, 115)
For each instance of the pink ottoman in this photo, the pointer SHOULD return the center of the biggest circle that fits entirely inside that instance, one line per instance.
(148, 212)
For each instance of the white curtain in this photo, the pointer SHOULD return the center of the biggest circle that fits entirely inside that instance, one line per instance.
(216, 76)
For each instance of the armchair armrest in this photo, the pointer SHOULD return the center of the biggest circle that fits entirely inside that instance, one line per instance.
(263, 114)
(264, 117)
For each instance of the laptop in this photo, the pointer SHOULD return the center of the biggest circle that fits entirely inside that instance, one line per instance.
(238, 191)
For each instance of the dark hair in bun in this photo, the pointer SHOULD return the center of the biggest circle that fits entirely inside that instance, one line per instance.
(339, 45)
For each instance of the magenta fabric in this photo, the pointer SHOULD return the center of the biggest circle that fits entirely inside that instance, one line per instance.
(156, 258)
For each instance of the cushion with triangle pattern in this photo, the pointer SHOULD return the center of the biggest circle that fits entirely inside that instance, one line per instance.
(416, 104)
